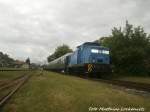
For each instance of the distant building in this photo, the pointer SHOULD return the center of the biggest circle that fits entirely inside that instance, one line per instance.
(25, 65)
(21, 64)
(18, 63)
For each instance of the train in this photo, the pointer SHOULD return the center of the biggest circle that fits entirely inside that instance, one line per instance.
(88, 58)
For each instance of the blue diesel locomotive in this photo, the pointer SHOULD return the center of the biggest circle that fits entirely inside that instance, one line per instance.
(89, 58)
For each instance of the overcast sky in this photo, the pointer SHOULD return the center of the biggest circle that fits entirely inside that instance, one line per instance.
(34, 28)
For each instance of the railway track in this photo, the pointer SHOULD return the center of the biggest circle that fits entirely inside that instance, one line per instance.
(7, 89)
(15, 70)
(127, 84)
(8, 81)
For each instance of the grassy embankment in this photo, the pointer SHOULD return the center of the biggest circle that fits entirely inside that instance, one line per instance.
(7, 75)
(52, 92)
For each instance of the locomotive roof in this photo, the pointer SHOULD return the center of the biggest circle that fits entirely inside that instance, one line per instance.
(90, 44)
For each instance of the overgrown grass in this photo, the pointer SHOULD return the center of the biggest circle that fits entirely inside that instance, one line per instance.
(6, 75)
(52, 92)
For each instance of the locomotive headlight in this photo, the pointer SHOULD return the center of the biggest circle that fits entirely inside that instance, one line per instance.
(93, 60)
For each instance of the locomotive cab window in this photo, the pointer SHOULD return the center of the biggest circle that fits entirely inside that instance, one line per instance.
(105, 51)
(99, 51)
(94, 50)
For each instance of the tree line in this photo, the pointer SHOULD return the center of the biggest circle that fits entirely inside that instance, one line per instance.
(129, 49)
(6, 61)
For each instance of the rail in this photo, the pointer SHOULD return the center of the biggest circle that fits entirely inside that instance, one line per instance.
(12, 87)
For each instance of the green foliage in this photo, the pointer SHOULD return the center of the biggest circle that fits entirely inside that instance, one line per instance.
(59, 51)
(130, 49)
(28, 61)
(5, 60)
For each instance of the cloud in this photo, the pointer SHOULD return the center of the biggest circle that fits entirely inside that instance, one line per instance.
(35, 28)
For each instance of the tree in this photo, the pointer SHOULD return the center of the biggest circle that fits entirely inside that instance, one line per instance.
(59, 51)
(51, 58)
(28, 61)
(6, 61)
(130, 49)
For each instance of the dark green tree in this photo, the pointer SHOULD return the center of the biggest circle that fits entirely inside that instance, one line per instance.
(59, 51)
(51, 58)
(6, 61)
(130, 49)
(28, 61)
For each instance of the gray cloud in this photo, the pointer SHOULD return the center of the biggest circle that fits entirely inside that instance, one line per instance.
(35, 28)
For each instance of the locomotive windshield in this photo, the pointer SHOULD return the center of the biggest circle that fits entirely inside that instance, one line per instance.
(100, 51)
